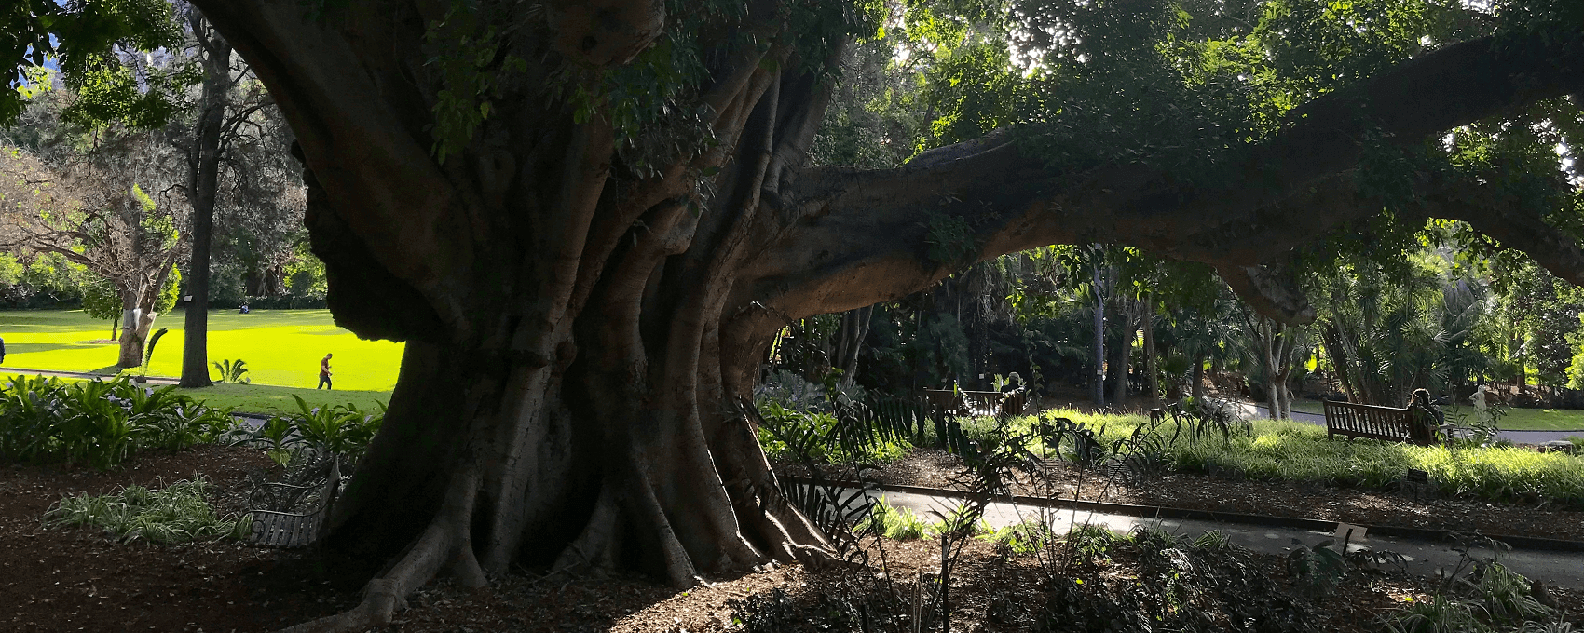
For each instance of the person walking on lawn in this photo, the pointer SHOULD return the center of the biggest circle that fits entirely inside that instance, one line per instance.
(324, 372)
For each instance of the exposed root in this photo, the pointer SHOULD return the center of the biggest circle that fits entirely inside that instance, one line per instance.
(445, 544)
(595, 550)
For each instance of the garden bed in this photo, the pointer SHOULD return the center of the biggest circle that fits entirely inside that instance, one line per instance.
(226, 586)
(935, 469)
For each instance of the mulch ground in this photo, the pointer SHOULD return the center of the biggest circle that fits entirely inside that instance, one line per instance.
(77, 579)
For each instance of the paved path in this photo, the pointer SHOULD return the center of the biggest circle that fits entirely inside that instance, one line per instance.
(1554, 567)
(1253, 411)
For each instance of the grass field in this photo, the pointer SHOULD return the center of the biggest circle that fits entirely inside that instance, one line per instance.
(1515, 420)
(1296, 451)
(281, 347)
(267, 399)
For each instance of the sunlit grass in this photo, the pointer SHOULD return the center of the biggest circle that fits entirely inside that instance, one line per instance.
(1515, 420)
(281, 347)
(266, 399)
(1296, 451)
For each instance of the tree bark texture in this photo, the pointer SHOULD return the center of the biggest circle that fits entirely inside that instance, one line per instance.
(580, 333)
(203, 168)
(1099, 336)
(1151, 377)
(1126, 314)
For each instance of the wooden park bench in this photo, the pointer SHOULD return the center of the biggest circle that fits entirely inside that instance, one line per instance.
(286, 529)
(978, 402)
(1383, 423)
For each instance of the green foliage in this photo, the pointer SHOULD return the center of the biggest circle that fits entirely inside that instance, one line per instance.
(893, 523)
(342, 430)
(950, 242)
(1316, 569)
(100, 300)
(1504, 595)
(1436, 615)
(1296, 451)
(170, 292)
(86, 39)
(1026, 537)
(233, 371)
(1090, 544)
(98, 423)
(465, 49)
(177, 513)
(824, 437)
(962, 521)
(148, 355)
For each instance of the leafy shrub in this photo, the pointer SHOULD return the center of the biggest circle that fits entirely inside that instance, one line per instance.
(1316, 569)
(824, 437)
(342, 430)
(177, 513)
(1504, 595)
(1090, 544)
(1027, 537)
(1436, 615)
(98, 423)
(961, 521)
(899, 524)
(233, 371)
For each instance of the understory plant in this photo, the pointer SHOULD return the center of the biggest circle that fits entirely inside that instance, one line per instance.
(342, 430)
(99, 423)
(233, 371)
(176, 513)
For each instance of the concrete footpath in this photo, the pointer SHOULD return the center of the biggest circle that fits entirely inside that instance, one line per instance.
(1553, 567)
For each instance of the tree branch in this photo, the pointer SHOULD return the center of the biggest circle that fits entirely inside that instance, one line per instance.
(852, 238)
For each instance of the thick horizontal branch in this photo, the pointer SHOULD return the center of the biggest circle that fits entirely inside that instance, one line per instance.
(850, 238)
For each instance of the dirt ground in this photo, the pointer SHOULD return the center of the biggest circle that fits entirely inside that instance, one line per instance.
(78, 580)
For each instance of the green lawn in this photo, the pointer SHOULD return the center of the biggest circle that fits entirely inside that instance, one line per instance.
(281, 347)
(267, 399)
(272, 399)
(1295, 451)
(1515, 420)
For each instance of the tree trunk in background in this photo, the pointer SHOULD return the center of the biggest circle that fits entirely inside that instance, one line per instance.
(1198, 378)
(135, 326)
(850, 338)
(1099, 338)
(1332, 340)
(1124, 352)
(1286, 341)
(1151, 379)
(203, 163)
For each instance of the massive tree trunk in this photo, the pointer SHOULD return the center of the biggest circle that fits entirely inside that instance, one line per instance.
(581, 330)
(203, 168)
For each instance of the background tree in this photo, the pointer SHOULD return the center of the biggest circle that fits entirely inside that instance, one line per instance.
(238, 168)
(102, 301)
(90, 207)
